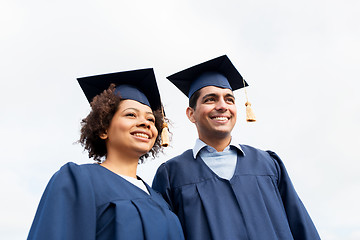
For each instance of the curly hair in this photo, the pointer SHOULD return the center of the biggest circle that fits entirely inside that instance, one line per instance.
(103, 109)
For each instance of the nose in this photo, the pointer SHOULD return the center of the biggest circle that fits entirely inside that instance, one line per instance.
(221, 105)
(143, 122)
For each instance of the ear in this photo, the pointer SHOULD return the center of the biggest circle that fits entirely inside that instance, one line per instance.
(103, 136)
(190, 114)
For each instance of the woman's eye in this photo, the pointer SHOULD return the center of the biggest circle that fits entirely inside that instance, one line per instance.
(151, 118)
(130, 115)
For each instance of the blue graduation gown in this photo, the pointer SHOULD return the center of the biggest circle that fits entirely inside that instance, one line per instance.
(258, 202)
(85, 202)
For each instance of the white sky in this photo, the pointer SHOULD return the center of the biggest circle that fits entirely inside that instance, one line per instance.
(301, 59)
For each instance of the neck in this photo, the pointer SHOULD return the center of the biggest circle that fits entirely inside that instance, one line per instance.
(219, 144)
(121, 164)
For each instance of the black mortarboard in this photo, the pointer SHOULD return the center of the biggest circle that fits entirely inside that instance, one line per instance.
(218, 72)
(139, 85)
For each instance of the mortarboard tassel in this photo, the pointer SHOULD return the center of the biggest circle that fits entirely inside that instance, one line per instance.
(165, 141)
(250, 116)
(165, 135)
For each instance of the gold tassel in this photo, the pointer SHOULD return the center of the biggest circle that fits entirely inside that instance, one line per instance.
(250, 116)
(165, 141)
(165, 135)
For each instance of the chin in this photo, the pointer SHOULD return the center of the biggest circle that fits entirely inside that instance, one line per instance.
(142, 151)
(222, 132)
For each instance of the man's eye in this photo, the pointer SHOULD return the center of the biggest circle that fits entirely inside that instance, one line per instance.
(209, 100)
(231, 100)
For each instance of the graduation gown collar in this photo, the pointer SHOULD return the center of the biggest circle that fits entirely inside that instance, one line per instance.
(199, 144)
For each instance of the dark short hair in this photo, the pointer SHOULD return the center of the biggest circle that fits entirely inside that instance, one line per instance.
(103, 109)
(193, 99)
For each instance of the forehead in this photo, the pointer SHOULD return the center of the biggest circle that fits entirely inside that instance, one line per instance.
(214, 90)
(129, 103)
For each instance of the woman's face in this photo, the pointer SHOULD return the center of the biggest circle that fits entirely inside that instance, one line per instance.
(132, 129)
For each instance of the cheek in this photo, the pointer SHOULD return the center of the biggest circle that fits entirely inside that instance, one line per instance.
(204, 110)
(154, 131)
(233, 110)
(120, 127)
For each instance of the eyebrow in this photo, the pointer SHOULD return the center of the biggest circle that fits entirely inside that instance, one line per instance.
(230, 95)
(216, 95)
(136, 110)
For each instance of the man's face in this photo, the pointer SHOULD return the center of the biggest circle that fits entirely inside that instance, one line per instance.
(215, 113)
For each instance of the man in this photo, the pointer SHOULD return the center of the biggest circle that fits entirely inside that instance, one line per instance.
(220, 189)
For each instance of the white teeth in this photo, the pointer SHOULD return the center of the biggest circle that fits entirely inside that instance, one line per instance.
(142, 135)
(221, 118)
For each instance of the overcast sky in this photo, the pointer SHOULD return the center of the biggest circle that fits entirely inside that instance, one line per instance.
(300, 58)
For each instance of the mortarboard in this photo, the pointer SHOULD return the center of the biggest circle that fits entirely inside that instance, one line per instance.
(219, 72)
(139, 85)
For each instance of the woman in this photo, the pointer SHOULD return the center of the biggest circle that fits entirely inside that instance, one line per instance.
(107, 200)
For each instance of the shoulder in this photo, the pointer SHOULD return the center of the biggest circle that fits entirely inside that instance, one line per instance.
(70, 183)
(265, 155)
(262, 160)
(71, 174)
(185, 156)
(180, 163)
(253, 150)
(74, 169)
